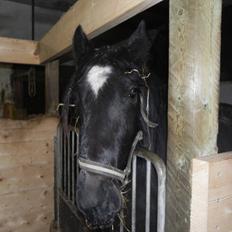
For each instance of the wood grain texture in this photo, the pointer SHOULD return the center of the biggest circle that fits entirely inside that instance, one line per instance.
(26, 174)
(52, 86)
(194, 55)
(95, 16)
(18, 51)
(212, 194)
(200, 195)
(39, 123)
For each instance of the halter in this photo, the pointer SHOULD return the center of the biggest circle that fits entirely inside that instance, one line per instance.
(108, 170)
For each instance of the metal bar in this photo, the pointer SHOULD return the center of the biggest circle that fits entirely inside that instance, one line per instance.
(159, 165)
(58, 170)
(121, 224)
(55, 143)
(148, 197)
(76, 164)
(65, 160)
(133, 210)
(61, 158)
(68, 166)
(73, 166)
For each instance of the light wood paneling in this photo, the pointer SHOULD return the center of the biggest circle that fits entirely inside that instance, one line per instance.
(26, 174)
(212, 194)
(96, 17)
(18, 51)
(52, 86)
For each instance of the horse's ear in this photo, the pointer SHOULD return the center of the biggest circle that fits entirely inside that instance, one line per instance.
(81, 44)
(139, 44)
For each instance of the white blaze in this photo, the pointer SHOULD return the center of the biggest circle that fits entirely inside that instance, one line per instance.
(97, 77)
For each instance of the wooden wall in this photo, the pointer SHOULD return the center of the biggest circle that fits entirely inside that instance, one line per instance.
(26, 174)
(211, 206)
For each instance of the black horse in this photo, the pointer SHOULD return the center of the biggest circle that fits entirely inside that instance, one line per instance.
(113, 87)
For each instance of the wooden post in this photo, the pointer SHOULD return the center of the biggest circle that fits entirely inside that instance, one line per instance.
(52, 86)
(211, 207)
(193, 99)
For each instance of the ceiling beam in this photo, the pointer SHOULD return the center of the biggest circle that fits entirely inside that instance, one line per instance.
(95, 17)
(18, 51)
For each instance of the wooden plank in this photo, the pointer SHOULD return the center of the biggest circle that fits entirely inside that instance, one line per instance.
(25, 135)
(96, 17)
(21, 212)
(12, 205)
(52, 87)
(26, 153)
(220, 193)
(200, 192)
(26, 177)
(40, 123)
(38, 129)
(18, 51)
(194, 60)
(212, 194)
(26, 174)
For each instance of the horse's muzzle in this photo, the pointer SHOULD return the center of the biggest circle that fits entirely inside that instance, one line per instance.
(98, 199)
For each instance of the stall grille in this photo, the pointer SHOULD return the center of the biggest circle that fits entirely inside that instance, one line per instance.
(66, 172)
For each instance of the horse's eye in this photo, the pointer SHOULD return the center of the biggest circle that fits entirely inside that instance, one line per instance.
(133, 92)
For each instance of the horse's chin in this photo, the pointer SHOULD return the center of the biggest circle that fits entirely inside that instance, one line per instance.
(100, 226)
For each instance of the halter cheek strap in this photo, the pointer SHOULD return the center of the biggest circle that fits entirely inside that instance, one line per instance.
(108, 170)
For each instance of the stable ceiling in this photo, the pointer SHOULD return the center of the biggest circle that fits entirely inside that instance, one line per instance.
(61, 5)
(16, 17)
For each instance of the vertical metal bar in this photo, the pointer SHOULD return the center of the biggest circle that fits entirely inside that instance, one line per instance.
(65, 165)
(58, 168)
(121, 224)
(68, 165)
(55, 169)
(76, 154)
(73, 167)
(61, 158)
(160, 168)
(161, 171)
(148, 197)
(133, 213)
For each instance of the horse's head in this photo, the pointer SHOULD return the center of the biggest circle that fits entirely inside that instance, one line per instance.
(107, 89)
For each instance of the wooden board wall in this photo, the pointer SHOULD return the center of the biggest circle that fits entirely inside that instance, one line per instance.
(211, 206)
(26, 174)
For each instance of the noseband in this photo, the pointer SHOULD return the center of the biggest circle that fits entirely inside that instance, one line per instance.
(108, 170)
